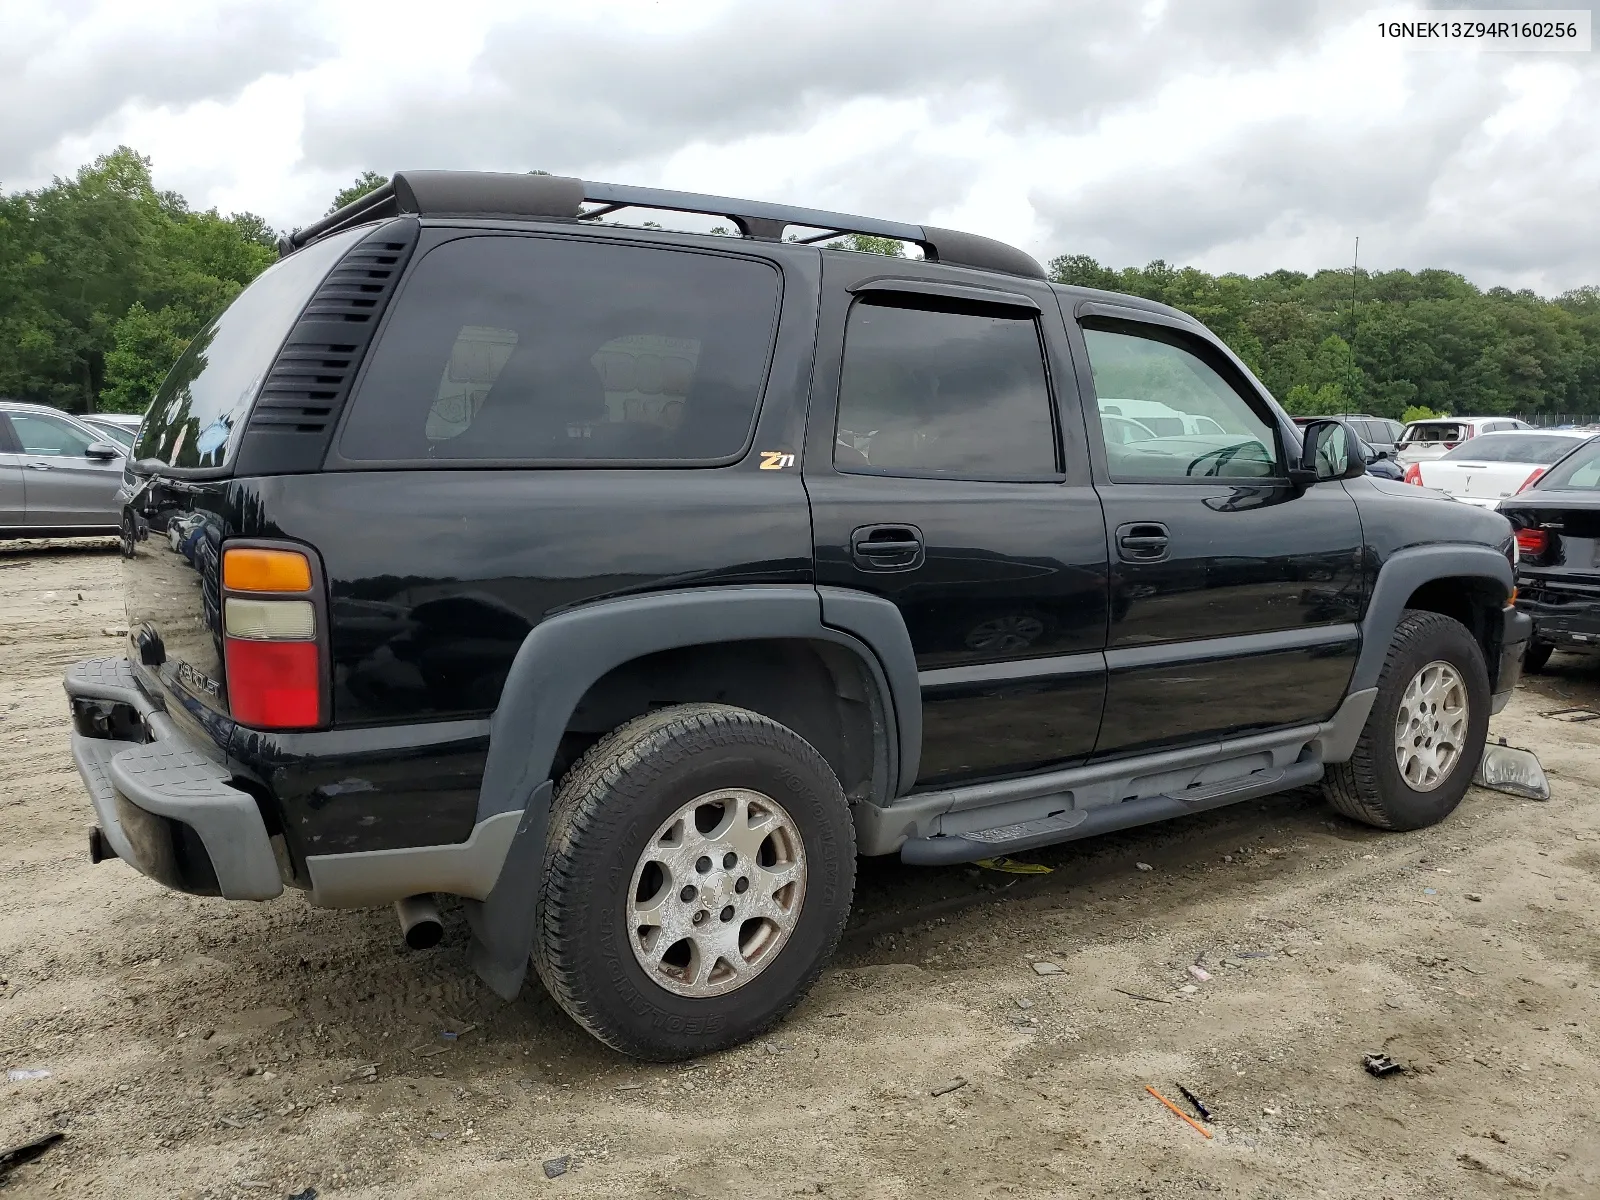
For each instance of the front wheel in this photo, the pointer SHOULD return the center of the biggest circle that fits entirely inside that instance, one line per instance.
(698, 873)
(1424, 737)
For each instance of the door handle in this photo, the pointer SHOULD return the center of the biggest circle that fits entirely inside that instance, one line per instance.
(39, 466)
(1142, 541)
(887, 547)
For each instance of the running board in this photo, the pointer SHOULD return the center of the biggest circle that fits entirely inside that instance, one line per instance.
(1071, 824)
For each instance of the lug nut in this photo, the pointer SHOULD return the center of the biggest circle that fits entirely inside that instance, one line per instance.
(727, 913)
(729, 859)
(688, 894)
(703, 865)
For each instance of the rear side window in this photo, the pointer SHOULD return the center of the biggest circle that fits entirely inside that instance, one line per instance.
(541, 349)
(208, 392)
(1513, 448)
(941, 391)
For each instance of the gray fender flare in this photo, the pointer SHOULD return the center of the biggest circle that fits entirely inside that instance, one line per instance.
(564, 655)
(1403, 574)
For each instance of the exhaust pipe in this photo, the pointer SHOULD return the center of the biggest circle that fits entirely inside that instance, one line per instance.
(419, 921)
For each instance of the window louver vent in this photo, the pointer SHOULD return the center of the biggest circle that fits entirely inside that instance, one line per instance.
(307, 386)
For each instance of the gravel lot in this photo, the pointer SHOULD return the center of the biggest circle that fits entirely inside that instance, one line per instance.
(199, 1048)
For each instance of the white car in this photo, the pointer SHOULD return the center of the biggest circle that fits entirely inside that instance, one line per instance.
(1422, 440)
(1487, 469)
(1162, 420)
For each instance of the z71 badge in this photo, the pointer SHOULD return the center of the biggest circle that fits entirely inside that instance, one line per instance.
(776, 460)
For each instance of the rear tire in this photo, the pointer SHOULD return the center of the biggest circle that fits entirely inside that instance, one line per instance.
(698, 873)
(1419, 749)
(1537, 655)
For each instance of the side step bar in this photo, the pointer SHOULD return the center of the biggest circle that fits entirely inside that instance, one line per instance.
(1071, 824)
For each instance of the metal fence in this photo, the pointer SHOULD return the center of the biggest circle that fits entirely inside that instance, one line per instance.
(1551, 420)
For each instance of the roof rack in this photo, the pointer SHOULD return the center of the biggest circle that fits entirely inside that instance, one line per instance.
(503, 194)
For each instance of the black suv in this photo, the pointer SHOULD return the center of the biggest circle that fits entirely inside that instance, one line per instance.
(629, 583)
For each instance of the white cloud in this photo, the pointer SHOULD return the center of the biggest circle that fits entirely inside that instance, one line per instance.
(1232, 134)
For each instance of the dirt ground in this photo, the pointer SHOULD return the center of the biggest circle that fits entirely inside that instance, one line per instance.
(204, 1049)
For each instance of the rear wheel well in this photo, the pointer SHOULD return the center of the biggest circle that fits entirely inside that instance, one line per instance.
(1475, 602)
(822, 691)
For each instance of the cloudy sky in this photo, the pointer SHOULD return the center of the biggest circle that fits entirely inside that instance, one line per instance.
(1238, 135)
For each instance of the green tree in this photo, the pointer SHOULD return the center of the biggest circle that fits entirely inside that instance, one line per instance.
(865, 243)
(77, 258)
(367, 181)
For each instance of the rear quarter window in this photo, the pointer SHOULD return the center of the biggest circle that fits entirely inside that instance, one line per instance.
(201, 405)
(528, 349)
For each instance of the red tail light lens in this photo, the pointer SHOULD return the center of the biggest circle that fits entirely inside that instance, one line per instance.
(274, 685)
(1414, 474)
(1529, 482)
(1532, 542)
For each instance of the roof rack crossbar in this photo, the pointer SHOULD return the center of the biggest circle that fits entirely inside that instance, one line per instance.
(492, 193)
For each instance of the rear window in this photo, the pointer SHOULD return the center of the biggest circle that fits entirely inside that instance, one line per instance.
(1582, 470)
(206, 395)
(1433, 433)
(542, 349)
(1513, 448)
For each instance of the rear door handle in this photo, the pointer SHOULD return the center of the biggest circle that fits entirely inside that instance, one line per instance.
(886, 547)
(39, 466)
(1142, 541)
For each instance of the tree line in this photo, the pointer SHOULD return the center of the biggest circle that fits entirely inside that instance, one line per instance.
(104, 279)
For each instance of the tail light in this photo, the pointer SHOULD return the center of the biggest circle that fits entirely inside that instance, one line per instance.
(1529, 482)
(1414, 474)
(274, 635)
(1532, 543)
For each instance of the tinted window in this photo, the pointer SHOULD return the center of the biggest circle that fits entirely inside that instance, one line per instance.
(522, 348)
(1514, 448)
(114, 433)
(1433, 433)
(1203, 426)
(1582, 470)
(206, 395)
(942, 392)
(51, 435)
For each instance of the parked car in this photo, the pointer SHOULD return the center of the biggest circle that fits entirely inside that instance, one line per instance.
(1162, 420)
(1557, 523)
(58, 476)
(1378, 432)
(1381, 465)
(1422, 440)
(122, 427)
(555, 587)
(1487, 469)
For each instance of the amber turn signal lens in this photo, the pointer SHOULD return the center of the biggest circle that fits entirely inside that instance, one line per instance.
(245, 569)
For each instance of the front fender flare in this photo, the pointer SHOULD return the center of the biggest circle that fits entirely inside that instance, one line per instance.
(1400, 577)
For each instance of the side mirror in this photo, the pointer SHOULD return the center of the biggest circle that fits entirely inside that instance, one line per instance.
(1328, 451)
(102, 451)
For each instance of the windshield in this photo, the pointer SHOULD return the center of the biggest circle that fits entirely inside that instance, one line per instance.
(1433, 433)
(212, 385)
(1514, 448)
(1579, 470)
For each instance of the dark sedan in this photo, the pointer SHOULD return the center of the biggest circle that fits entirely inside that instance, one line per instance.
(1557, 523)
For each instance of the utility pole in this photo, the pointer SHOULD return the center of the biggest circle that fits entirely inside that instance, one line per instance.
(1350, 365)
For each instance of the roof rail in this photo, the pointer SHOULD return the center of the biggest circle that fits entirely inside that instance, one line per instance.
(503, 194)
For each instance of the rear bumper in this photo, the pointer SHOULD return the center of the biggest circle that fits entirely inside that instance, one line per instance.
(1514, 640)
(166, 809)
(1561, 616)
